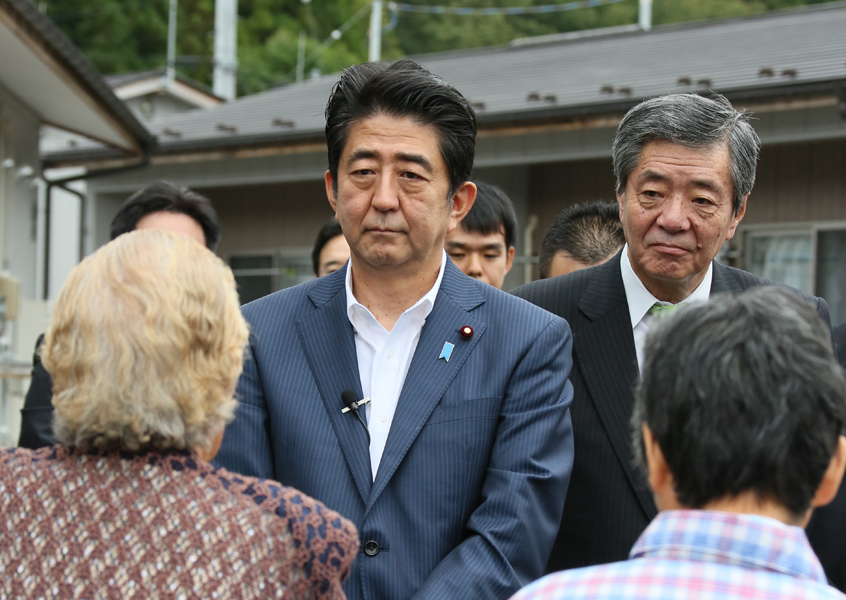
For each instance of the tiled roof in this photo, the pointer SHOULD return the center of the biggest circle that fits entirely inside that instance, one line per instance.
(562, 75)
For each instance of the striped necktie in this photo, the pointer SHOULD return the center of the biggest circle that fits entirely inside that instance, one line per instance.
(659, 309)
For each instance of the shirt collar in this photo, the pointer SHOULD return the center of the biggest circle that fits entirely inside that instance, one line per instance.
(748, 541)
(427, 302)
(640, 299)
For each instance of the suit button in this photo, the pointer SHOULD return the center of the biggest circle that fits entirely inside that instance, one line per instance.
(371, 548)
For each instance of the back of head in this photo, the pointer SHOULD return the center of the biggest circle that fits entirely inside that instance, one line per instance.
(145, 345)
(743, 394)
(162, 196)
(589, 233)
(492, 212)
(693, 121)
(403, 89)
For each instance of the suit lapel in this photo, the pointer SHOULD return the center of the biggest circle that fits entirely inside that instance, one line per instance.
(723, 281)
(327, 339)
(428, 376)
(605, 353)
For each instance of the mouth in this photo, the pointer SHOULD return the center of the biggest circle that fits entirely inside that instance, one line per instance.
(670, 249)
(381, 230)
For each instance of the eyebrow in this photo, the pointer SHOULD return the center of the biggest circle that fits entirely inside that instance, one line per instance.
(702, 183)
(418, 159)
(463, 246)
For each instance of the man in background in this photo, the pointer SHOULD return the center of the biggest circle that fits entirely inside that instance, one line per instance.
(582, 236)
(331, 250)
(160, 205)
(738, 428)
(482, 245)
(685, 167)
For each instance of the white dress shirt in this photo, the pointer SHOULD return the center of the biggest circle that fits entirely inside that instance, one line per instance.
(384, 358)
(640, 300)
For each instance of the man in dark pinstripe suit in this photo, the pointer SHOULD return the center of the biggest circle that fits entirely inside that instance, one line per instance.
(685, 166)
(456, 467)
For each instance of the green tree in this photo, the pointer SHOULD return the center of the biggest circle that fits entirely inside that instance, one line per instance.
(129, 35)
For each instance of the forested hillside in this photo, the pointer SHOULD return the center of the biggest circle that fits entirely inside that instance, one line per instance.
(129, 35)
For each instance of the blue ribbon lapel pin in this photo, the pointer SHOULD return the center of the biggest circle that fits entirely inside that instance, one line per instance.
(447, 351)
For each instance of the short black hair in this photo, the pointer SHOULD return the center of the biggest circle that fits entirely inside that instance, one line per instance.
(743, 394)
(162, 196)
(589, 233)
(330, 230)
(403, 89)
(492, 212)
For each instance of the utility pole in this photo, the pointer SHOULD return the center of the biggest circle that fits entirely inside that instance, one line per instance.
(301, 43)
(225, 48)
(645, 15)
(171, 43)
(375, 53)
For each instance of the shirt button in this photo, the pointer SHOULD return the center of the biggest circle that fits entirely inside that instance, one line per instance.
(371, 548)
(390, 354)
(384, 418)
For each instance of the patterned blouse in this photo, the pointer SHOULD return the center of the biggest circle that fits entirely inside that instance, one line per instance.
(150, 526)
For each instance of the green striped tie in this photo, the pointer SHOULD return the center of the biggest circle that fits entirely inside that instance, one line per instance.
(659, 309)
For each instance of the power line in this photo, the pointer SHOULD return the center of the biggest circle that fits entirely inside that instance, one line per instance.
(508, 10)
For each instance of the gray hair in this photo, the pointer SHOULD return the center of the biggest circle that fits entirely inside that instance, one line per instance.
(693, 121)
(743, 393)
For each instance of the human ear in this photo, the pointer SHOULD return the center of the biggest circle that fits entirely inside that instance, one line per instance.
(330, 192)
(462, 202)
(830, 483)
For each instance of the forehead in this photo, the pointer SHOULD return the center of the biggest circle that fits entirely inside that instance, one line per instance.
(474, 239)
(678, 164)
(388, 137)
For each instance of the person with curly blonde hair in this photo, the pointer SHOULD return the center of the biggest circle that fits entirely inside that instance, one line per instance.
(145, 346)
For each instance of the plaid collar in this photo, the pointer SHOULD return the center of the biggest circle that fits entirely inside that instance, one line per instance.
(748, 541)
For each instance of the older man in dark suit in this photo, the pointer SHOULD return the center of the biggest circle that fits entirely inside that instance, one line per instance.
(685, 166)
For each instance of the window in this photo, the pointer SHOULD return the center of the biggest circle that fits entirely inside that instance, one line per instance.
(811, 258)
(260, 274)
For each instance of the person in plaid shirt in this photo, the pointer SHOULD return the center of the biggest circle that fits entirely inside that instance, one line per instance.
(738, 424)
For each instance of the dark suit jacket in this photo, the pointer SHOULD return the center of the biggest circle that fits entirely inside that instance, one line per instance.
(470, 489)
(609, 503)
(840, 344)
(37, 411)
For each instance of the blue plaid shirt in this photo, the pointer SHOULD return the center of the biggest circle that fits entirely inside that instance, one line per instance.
(701, 555)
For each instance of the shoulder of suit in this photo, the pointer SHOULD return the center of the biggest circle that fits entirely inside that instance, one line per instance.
(747, 280)
(509, 309)
(557, 293)
(290, 300)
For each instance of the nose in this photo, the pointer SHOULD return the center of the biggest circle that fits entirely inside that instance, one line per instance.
(674, 215)
(385, 195)
(474, 265)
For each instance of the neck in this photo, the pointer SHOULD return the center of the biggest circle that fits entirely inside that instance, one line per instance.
(387, 293)
(670, 290)
(748, 503)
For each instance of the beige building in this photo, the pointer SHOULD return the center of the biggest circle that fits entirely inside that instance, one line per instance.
(44, 81)
(547, 109)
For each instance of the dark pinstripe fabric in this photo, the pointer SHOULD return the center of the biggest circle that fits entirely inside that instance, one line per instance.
(469, 493)
(840, 344)
(609, 503)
